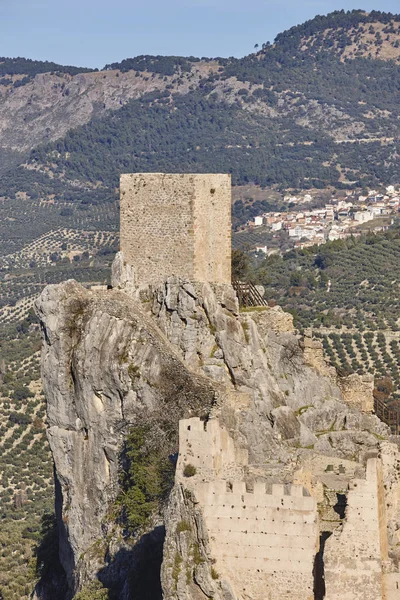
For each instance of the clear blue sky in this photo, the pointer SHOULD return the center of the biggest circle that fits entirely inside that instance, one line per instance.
(95, 32)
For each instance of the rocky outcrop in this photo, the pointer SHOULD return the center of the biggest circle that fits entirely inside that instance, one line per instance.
(187, 571)
(50, 105)
(290, 397)
(112, 359)
(105, 367)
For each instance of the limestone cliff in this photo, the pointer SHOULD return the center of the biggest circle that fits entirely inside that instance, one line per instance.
(115, 358)
(105, 367)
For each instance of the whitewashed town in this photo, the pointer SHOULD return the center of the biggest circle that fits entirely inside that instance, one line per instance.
(339, 219)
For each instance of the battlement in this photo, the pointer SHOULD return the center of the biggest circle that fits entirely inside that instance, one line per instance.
(279, 490)
(176, 224)
(236, 494)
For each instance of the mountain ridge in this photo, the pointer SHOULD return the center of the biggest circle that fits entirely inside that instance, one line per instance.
(310, 96)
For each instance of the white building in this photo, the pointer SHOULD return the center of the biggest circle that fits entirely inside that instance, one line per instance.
(363, 216)
(276, 226)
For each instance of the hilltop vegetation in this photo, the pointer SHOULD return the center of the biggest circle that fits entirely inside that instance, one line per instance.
(347, 34)
(336, 20)
(28, 68)
(163, 65)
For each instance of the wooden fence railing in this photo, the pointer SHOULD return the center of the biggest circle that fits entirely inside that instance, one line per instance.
(248, 294)
(390, 416)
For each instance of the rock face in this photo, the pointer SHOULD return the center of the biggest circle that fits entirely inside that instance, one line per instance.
(183, 350)
(50, 105)
(104, 366)
(254, 354)
(47, 107)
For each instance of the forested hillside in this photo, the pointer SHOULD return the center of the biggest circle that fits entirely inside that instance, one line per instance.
(301, 113)
(294, 115)
(19, 71)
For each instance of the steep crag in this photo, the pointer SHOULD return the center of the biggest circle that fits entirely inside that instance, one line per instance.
(117, 358)
(106, 367)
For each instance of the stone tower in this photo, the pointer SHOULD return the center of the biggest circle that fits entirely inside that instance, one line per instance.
(176, 224)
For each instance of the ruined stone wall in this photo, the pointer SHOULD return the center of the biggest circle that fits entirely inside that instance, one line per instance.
(176, 224)
(208, 448)
(354, 555)
(358, 390)
(263, 543)
(314, 356)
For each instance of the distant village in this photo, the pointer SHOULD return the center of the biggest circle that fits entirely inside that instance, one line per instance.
(337, 220)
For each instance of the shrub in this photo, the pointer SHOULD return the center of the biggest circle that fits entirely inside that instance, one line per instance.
(93, 591)
(189, 470)
(214, 573)
(182, 526)
(146, 477)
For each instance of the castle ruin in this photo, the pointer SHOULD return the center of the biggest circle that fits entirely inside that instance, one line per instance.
(271, 539)
(265, 539)
(176, 224)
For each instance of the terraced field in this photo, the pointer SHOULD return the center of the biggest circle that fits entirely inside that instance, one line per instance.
(352, 283)
(375, 352)
(35, 250)
(49, 259)
(26, 487)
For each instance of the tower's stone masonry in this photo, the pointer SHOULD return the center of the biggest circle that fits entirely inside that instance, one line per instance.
(176, 224)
